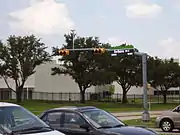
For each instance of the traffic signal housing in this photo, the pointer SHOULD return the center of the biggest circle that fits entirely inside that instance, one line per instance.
(99, 50)
(63, 52)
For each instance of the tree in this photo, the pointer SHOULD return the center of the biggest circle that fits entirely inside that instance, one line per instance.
(128, 71)
(85, 68)
(19, 58)
(163, 75)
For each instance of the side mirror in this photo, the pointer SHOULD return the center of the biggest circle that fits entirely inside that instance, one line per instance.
(85, 126)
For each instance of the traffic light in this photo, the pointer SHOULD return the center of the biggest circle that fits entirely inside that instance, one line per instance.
(63, 52)
(99, 50)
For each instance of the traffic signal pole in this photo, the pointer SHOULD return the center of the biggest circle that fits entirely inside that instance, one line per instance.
(145, 114)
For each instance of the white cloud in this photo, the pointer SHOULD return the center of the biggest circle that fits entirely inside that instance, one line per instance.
(169, 48)
(127, 2)
(143, 10)
(43, 17)
(114, 41)
(176, 4)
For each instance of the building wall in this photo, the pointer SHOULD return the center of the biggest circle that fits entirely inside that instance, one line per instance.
(102, 88)
(118, 89)
(63, 85)
(45, 82)
(29, 83)
(4, 89)
(133, 90)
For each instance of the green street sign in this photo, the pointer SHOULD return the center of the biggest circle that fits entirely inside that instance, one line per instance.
(123, 47)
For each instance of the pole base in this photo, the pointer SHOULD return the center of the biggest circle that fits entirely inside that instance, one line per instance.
(145, 116)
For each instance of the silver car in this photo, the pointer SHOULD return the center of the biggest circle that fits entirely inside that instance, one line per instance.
(169, 120)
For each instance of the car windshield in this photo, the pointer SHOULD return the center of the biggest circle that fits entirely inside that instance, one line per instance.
(102, 119)
(16, 118)
(176, 109)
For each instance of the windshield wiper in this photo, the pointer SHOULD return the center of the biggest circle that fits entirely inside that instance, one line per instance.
(33, 128)
(120, 125)
(105, 127)
(6, 131)
(12, 133)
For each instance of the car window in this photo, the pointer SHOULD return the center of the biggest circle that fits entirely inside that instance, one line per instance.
(73, 120)
(100, 118)
(16, 118)
(20, 117)
(178, 108)
(53, 119)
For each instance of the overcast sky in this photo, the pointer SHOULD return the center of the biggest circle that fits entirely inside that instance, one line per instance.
(151, 25)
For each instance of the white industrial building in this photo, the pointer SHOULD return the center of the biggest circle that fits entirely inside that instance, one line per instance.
(42, 82)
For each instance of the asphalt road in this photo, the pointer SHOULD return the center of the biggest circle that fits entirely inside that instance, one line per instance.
(174, 132)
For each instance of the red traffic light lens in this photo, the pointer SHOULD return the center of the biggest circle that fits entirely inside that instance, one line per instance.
(96, 51)
(63, 52)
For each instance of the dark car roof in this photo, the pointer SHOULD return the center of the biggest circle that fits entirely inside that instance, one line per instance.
(72, 108)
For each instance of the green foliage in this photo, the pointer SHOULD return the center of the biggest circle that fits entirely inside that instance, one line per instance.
(128, 72)
(123, 46)
(19, 56)
(163, 75)
(85, 68)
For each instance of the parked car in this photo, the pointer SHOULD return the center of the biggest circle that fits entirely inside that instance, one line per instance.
(16, 120)
(89, 121)
(169, 120)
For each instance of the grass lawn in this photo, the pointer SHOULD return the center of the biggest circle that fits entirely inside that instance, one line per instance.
(39, 106)
(139, 122)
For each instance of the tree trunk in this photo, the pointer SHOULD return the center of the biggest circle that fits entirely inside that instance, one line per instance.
(82, 96)
(124, 98)
(82, 93)
(164, 97)
(18, 94)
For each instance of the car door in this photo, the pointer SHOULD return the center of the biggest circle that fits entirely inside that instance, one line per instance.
(72, 122)
(53, 119)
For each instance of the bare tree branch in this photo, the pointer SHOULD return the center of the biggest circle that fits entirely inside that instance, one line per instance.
(5, 80)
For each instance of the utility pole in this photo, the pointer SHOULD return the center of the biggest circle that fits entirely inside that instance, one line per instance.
(73, 38)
